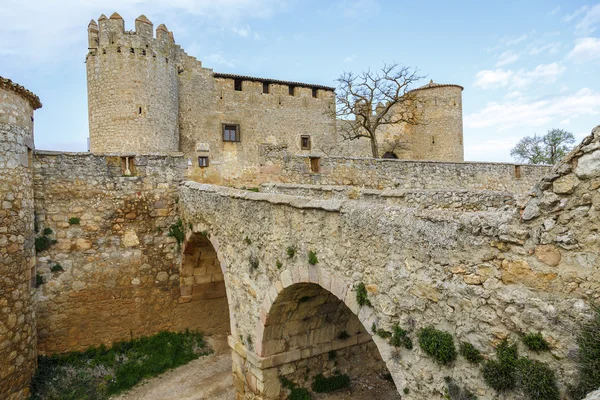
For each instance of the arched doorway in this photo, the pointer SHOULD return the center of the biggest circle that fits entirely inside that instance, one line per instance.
(389, 154)
(309, 332)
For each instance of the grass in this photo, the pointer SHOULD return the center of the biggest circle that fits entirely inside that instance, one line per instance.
(588, 357)
(438, 344)
(500, 374)
(101, 372)
(312, 258)
(326, 385)
(176, 232)
(535, 342)
(361, 295)
(455, 392)
(291, 251)
(56, 268)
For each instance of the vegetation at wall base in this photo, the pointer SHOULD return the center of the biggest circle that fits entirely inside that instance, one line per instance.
(99, 372)
(468, 351)
(326, 385)
(438, 344)
(588, 358)
(296, 393)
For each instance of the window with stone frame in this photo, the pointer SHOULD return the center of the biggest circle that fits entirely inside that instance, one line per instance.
(203, 161)
(305, 142)
(231, 133)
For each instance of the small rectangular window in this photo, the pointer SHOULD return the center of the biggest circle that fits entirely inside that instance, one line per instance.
(305, 142)
(315, 93)
(237, 84)
(517, 171)
(203, 161)
(265, 87)
(291, 90)
(127, 166)
(314, 165)
(231, 133)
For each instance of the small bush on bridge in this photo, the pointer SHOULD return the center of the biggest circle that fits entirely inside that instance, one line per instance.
(312, 258)
(176, 232)
(361, 296)
(468, 351)
(291, 251)
(326, 385)
(438, 344)
(588, 357)
(400, 337)
(535, 342)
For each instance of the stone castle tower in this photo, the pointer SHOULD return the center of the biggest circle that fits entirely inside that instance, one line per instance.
(440, 135)
(17, 253)
(132, 87)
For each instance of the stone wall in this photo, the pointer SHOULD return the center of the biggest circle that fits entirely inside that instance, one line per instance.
(17, 253)
(279, 166)
(119, 271)
(483, 276)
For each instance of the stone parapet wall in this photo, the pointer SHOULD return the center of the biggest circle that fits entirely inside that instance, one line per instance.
(119, 269)
(454, 200)
(279, 166)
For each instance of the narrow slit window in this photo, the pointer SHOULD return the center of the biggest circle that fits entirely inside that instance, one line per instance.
(237, 85)
(517, 171)
(265, 87)
(231, 133)
(203, 161)
(305, 142)
(315, 93)
(291, 90)
(127, 166)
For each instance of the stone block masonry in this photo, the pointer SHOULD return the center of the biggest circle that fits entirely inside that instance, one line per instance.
(17, 254)
(119, 274)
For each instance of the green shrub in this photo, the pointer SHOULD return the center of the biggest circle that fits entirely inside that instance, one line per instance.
(279, 264)
(326, 385)
(291, 251)
(98, 372)
(455, 392)
(47, 231)
(361, 296)
(405, 390)
(468, 351)
(438, 344)
(42, 243)
(176, 231)
(588, 357)
(74, 221)
(247, 240)
(39, 280)
(312, 258)
(536, 380)
(535, 342)
(500, 374)
(299, 394)
(400, 337)
(252, 189)
(382, 333)
(56, 268)
(253, 261)
(343, 335)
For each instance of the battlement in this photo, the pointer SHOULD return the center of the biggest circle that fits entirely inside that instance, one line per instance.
(110, 32)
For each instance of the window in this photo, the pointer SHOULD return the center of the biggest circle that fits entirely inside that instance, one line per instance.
(305, 142)
(231, 133)
(315, 92)
(203, 161)
(517, 171)
(127, 166)
(266, 87)
(291, 90)
(237, 84)
(314, 165)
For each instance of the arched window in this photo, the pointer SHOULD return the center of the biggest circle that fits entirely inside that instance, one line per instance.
(389, 154)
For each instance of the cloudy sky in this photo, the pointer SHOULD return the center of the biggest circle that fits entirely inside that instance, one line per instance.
(526, 66)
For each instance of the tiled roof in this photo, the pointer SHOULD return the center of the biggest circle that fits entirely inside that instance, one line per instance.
(266, 80)
(432, 85)
(32, 98)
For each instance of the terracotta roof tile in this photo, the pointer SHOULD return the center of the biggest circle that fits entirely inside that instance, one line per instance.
(266, 80)
(30, 96)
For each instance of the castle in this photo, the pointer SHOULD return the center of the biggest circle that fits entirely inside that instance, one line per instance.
(483, 251)
(146, 95)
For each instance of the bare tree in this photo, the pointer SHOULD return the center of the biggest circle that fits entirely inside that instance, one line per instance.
(373, 99)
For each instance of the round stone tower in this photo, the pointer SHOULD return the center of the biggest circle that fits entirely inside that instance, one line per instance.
(132, 87)
(439, 136)
(18, 343)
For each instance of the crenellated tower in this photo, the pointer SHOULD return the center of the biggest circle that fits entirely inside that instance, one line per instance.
(132, 87)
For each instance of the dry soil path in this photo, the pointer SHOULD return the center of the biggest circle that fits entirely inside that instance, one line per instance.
(209, 378)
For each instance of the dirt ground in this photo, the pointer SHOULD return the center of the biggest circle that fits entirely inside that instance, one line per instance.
(209, 378)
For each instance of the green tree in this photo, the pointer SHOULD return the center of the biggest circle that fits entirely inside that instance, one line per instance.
(547, 149)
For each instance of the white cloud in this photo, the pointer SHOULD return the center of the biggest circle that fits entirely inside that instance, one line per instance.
(506, 58)
(543, 74)
(523, 112)
(350, 58)
(516, 40)
(590, 21)
(219, 59)
(551, 48)
(488, 79)
(586, 49)
(555, 11)
(575, 14)
(565, 121)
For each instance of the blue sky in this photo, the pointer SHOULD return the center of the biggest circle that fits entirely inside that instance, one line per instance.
(526, 66)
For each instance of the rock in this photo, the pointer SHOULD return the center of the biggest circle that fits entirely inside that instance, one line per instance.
(548, 254)
(565, 184)
(595, 395)
(519, 271)
(532, 210)
(83, 244)
(130, 239)
(588, 165)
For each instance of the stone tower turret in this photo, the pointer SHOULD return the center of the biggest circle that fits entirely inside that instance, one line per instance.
(18, 349)
(132, 87)
(440, 136)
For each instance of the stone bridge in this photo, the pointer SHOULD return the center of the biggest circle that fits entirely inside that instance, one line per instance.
(291, 267)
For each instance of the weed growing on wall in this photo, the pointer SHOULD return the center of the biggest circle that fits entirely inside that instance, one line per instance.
(56, 268)
(278, 264)
(99, 372)
(438, 344)
(312, 258)
(468, 351)
(326, 385)
(74, 221)
(42, 243)
(400, 337)
(291, 251)
(588, 358)
(39, 280)
(47, 231)
(176, 231)
(343, 335)
(535, 342)
(361, 296)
